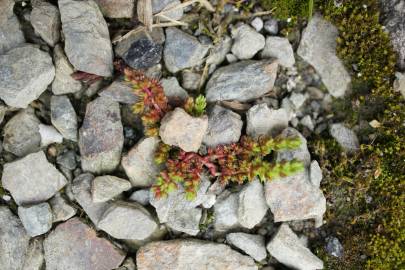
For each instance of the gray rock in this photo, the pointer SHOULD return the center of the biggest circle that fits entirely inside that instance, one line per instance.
(173, 91)
(287, 249)
(49, 135)
(280, 48)
(143, 53)
(61, 209)
(306, 121)
(190, 80)
(226, 213)
(63, 117)
(63, 82)
(81, 189)
(32, 179)
(182, 50)
(139, 164)
(21, 134)
(106, 187)
(10, 29)
(46, 22)
(247, 42)
(257, 24)
(300, 153)
(252, 245)
(271, 26)
(180, 129)
(191, 254)
(117, 8)
(262, 121)
(399, 84)
(318, 47)
(36, 219)
(25, 73)
(75, 245)
(315, 173)
(120, 91)
(252, 204)
(219, 51)
(34, 260)
(224, 127)
(231, 58)
(298, 100)
(67, 160)
(159, 5)
(334, 247)
(101, 136)
(345, 137)
(129, 221)
(14, 240)
(242, 81)
(87, 40)
(141, 196)
(3, 110)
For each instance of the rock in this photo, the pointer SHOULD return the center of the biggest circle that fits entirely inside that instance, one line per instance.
(63, 82)
(87, 40)
(315, 173)
(252, 245)
(34, 259)
(271, 26)
(180, 129)
(106, 187)
(46, 22)
(224, 127)
(182, 50)
(190, 80)
(231, 58)
(247, 42)
(300, 153)
(25, 73)
(226, 213)
(345, 137)
(67, 160)
(257, 24)
(143, 53)
(49, 135)
(159, 5)
(37, 219)
(191, 254)
(280, 48)
(75, 245)
(43, 182)
(334, 247)
(287, 249)
(21, 134)
(298, 100)
(306, 121)
(252, 204)
(218, 52)
(128, 264)
(117, 8)
(3, 111)
(399, 84)
(120, 91)
(128, 221)
(262, 121)
(318, 48)
(101, 136)
(10, 29)
(173, 91)
(139, 164)
(242, 81)
(61, 209)
(63, 117)
(81, 189)
(140, 196)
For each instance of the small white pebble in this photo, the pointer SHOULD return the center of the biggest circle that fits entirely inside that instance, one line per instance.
(23, 4)
(6, 198)
(257, 24)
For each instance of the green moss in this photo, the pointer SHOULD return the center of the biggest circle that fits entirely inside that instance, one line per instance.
(284, 9)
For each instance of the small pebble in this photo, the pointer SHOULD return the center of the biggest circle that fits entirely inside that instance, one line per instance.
(257, 24)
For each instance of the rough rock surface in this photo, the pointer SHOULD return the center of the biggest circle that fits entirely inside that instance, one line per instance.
(34, 260)
(242, 81)
(226, 213)
(74, 245)
(143, 53)
(61, 209)
(87, 40)
(139, 163)
(252, 204)
(262, 121)
(32, 179)
(117, 8)
(191, 254)
(219, 51)
(251, 244)
(120, 91)
(159, 5)
(315, 173)
(36, 219)
(301, 153)
(180, 129)
(140, 196)
(25, 73)
(247, 42)
(49, 135)
(63, 117)
(280, 48)
(46, 22)
(345, 137)
(287, 249)
(10, 29)
(173, 91)
(318, 47)
(101, 136)
(106, 187)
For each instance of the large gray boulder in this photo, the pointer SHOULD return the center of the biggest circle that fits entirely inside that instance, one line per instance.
(10, 28)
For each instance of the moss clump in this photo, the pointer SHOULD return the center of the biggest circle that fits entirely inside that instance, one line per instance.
(284, 9)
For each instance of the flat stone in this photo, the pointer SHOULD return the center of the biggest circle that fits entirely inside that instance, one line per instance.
(101, 136)
(257, 24)
(247, 42)
(21, 134)
(63, 117)
(182, 50)
(251, 244)
(301, 153)
(160, 5)
(36, 219)
(117, 8)
(262, 121)
(49, 135)
(106, 187)
(252, 204)
(67, 160)
(224, 127)
(346, 138)
(190, 80)
(242, 81)
(35, 260)
(45, 19)
(10, 28)
(75, 245)
(25, 73)
(140, 196)
(287, 249)
(14, 240)
(129, 221)
(120, 91)
(143, 53)
(219, 51)
(191, 254)
(318, 48)
(61, 209)
(399, 84)
(87, 40)
(139, 164)
(173, 91)
(180, 129)
(280, 48)
(334, 247)
(226, 213)
(32, 179)
(315, 173)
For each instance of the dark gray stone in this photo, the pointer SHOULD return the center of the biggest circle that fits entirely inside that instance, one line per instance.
(63, 117)
(143, 53)
(120, 91)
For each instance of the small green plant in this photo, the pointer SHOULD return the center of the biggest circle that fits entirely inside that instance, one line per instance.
(196, 107)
